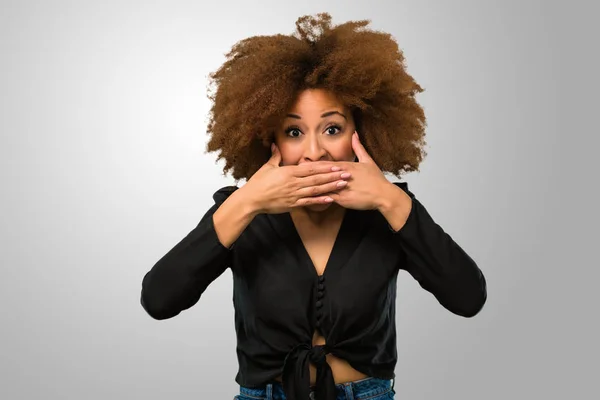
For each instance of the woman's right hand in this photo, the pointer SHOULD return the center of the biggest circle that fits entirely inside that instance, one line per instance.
(275, 189)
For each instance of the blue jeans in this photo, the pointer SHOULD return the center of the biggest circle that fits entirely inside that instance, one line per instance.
(364, 389)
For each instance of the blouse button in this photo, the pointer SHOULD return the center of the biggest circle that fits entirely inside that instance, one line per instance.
(321, 286)
(321, 278)
(319, 304)
(319, 295)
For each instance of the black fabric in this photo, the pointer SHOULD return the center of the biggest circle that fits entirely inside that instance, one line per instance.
(279, 300)
(296, 377)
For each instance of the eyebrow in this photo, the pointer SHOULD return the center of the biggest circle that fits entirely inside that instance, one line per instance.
(326, 114)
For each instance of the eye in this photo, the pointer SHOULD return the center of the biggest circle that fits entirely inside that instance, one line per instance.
(293, 132)
(333, 129)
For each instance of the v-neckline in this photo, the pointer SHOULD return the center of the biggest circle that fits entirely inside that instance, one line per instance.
(340, 245)
(347, 240)
(303, 251)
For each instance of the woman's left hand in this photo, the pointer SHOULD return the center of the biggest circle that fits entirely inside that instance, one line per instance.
(367, 186)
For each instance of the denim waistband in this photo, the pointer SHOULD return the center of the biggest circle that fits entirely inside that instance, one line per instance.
(363, 388)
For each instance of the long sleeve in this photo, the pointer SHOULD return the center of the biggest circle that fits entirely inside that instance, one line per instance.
(438, 263)
(176, 282)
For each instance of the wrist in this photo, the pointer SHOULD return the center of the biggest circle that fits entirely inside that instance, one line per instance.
(249, 203)
(395, 206)
(391, 197)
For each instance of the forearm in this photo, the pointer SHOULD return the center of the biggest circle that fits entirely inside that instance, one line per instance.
(433, 258)
(233, 216)
(178, 278)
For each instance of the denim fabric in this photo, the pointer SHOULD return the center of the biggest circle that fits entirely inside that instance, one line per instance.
(364, 389)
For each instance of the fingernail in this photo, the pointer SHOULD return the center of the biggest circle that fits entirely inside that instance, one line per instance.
(335, 169)
(272, 146)
(345, 175)
(342, 184)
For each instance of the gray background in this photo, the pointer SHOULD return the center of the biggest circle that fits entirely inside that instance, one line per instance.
(103, 111)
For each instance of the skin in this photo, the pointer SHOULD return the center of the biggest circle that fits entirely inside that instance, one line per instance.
(307, 136)
(317, 128)
(320, 128)
(317, 170)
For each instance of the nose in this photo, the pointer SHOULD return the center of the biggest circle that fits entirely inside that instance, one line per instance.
(314, 150)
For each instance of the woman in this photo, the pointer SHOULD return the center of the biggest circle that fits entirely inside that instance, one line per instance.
(316, 237)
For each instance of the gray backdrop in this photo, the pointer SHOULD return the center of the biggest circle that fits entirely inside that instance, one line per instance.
(103, 112)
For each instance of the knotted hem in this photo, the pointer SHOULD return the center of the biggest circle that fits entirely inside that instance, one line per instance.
(296, 373)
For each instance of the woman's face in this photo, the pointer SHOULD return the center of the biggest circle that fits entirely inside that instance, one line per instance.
(317, 128)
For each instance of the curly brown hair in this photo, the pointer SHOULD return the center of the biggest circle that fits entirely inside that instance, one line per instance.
(252, 91)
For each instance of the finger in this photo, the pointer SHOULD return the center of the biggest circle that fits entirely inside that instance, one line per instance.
(275, 159)
(307, 201)
(320, 179)
(314, 168)
(336, 196)
(314, 191)
(359, 149)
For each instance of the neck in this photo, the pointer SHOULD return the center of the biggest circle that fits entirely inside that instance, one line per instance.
(332, 212)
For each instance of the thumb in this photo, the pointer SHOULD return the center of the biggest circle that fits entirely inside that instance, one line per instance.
(359, 149)
(275, 159)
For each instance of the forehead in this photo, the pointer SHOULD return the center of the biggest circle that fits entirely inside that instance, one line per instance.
(316, 100)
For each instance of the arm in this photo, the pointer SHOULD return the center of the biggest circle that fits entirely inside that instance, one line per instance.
(176, 282)
(234, 215)
(433, 258)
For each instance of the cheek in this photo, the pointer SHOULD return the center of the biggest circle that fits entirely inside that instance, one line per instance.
(289, 154)
(343, 151)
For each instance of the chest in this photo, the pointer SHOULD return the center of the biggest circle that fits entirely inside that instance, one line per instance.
(276, 261)
(318, 243)
(278, 256)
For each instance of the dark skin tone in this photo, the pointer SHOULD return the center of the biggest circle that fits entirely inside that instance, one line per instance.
(313, 175)
(319, 128)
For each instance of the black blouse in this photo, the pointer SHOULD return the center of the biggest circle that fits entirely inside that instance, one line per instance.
(279, 300)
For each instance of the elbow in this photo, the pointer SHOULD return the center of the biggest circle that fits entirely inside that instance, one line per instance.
(156, 297)
(474, 308)
(157, 301)
(476, 301)
(154, 308)
(162, 301)
(167, 295)
(153, 299)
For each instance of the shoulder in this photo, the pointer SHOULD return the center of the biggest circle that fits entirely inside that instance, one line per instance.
(404, 186)
(223, 193)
